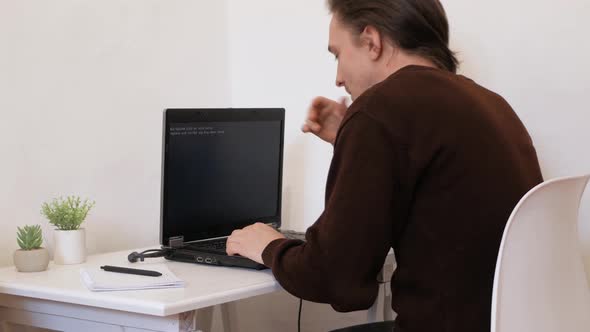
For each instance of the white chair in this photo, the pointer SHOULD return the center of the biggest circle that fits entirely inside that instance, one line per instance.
(540, 283)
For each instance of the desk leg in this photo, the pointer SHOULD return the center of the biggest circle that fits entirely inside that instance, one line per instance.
(69, 324)
(388, 313)
(76, 318)
(228, 316)
(187, 321)
(204, 319)
(372, 312)
(4, 327)
(384, 294)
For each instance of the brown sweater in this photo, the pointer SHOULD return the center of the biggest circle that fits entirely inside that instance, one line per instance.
(427, 163)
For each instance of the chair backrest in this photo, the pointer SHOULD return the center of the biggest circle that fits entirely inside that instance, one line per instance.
(540, 282)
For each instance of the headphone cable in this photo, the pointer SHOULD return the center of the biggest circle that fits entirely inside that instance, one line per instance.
(299, 316)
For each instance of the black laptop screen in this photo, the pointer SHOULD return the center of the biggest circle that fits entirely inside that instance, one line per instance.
(222, 171)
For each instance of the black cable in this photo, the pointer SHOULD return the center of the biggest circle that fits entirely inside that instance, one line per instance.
(150, 253)
(299, 316)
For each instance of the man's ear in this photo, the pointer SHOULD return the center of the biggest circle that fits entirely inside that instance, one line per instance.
(371, 38)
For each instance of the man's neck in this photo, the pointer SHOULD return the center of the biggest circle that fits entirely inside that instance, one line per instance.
(401, 60)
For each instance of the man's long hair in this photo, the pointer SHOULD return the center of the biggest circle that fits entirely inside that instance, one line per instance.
(418, 27)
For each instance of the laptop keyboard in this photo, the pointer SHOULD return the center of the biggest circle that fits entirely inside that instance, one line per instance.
(214, 245)
(218, 245)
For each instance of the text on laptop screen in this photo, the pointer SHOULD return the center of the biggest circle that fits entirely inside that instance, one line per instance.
(220, 176)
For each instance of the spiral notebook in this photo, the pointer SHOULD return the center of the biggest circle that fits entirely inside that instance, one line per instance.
(98, 280)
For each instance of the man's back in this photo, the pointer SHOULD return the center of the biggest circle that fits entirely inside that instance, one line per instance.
(431, 165)
(465, 160)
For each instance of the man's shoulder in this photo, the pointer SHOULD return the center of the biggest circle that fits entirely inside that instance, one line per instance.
(400, 90)
(417, 92)
(412, 84)
(393, 97)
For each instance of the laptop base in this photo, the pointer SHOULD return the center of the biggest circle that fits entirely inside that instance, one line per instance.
(188, 254)
(211, 258)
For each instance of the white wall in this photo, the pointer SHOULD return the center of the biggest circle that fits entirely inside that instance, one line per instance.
(533, 52)
(82, 88)
(83, 84)
(279, 58)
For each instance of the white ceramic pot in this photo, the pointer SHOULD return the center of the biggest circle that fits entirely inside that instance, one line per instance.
(31, 260)
(70, 247)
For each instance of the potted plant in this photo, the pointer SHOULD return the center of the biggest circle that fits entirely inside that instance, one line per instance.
(67, 214)
(31, 257)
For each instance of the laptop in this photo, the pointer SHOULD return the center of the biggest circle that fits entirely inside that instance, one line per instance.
(221, 171)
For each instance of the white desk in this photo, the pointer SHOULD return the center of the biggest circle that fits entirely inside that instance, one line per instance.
(56, 299)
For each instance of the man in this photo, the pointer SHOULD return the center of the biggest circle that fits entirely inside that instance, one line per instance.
(425, 161)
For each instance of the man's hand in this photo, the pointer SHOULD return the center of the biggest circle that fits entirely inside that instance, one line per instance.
(324, 117)
(251, 241)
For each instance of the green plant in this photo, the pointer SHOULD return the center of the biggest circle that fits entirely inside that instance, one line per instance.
(66, 214)
(29, 237)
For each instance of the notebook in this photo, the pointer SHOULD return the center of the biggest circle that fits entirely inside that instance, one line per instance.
(222, 170)
(98, 280)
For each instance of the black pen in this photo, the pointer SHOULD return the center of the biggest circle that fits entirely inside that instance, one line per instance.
(128, 270)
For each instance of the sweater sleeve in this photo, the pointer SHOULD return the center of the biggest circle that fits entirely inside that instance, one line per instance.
(346, 247)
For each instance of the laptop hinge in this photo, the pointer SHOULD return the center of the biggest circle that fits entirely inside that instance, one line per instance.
(176, 242)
